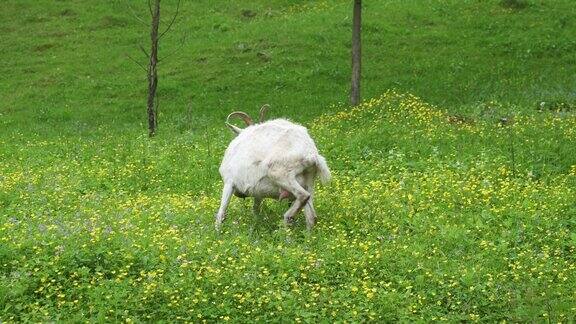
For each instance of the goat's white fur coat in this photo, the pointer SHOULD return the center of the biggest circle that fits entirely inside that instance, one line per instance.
(275, 159)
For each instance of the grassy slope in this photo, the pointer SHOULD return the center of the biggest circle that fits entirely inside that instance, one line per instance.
(86, 233)
(68, 59)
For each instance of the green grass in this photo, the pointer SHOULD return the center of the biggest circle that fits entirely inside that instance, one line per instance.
(453, 195)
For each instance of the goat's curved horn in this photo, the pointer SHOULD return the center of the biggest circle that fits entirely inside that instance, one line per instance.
(244, 116)
(263, 111)
(234, 129)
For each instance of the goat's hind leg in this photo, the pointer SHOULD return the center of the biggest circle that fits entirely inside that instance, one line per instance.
(226, 195)
(309, 207)
(301, 195)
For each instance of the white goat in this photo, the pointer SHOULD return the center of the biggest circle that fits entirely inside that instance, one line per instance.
(273, 159)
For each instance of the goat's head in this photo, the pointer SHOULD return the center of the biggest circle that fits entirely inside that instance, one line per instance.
(246, 118)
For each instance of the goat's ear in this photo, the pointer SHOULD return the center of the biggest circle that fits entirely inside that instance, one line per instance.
(236, 130)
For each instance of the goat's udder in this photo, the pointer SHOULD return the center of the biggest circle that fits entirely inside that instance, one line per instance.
(285, 195)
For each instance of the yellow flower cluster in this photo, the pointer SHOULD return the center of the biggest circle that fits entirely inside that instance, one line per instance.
(427, 217)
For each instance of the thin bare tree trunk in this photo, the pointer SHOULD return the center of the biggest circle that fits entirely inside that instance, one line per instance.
(356, 53)
(152, 72)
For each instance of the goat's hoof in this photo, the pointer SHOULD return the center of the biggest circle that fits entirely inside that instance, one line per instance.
(218, 226)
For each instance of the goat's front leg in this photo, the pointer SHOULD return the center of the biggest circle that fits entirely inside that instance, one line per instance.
(226, 195)
(257, 205)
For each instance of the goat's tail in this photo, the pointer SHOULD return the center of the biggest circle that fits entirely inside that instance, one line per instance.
(323, 170)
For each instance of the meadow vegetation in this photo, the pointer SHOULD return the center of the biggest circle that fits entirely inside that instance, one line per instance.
(454, 183)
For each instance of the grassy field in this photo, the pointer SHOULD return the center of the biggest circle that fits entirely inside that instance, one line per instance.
(454, 184)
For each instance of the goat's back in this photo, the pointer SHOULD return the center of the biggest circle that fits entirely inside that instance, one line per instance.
(274, 142)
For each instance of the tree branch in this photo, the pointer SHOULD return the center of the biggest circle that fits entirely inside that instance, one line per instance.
(136, 16)
(139, 64)
(144, 51)
(172, 21)
(174, 51)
